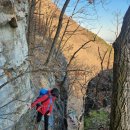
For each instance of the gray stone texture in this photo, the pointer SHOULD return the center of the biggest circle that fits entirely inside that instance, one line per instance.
(13, 54)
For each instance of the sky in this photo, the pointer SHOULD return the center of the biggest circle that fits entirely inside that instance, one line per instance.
(107, 18)
(100, 17)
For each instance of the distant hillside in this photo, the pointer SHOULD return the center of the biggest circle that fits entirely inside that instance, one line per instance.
(45, 24)
(87, 57)
(46, 19)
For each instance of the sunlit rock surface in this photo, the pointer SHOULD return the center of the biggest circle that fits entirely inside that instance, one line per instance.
(13, 54)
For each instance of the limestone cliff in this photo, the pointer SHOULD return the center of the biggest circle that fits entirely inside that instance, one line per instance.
(17, 85)
(15, 88)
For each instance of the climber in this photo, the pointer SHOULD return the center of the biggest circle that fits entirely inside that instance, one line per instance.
(44, 105)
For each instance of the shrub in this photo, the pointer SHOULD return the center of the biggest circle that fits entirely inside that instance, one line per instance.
(96, 119)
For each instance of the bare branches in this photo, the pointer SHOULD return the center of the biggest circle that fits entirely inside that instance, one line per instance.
(74, 54)
(117, 23)
(80, 49)
(66, 27)
(58, 30)
(108, 62)
(44, 69)
(102, 57)
(11, 80)
(69, 38)
(101, 62)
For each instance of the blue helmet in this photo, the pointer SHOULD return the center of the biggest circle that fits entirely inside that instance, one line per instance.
(43, 91)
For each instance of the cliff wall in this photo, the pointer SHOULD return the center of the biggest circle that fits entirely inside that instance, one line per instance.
(15, 89)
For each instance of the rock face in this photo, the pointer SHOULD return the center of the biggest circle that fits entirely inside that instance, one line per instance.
(98, 101)
(99, 91)
(13, 53)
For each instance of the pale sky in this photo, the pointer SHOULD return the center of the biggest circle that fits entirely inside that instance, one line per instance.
(100, 16)
(107, 19)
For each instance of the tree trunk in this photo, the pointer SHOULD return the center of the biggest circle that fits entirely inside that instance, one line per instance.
(57, 31)
(120, 110)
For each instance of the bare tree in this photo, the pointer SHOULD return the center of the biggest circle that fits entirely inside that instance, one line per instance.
(102, 68)
(58, 30)
(73, 56)
(117, 23)
(66, 27)
(109, 57)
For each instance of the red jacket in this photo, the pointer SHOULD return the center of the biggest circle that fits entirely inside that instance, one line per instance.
(45, 106)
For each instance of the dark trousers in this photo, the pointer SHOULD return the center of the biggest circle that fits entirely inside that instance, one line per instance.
(46, 117)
